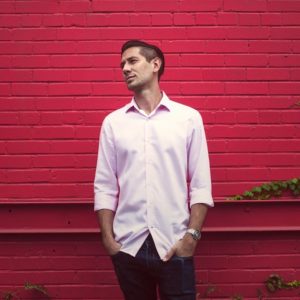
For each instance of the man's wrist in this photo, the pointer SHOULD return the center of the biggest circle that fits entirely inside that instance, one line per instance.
(194, 233)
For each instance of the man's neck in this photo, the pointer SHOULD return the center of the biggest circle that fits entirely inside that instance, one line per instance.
(147, 100)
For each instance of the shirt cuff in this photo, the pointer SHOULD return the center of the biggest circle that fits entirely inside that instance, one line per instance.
(104, 201)
(201, 196)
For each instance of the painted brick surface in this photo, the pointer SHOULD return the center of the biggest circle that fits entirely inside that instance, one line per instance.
(76, 266)
(237, 62)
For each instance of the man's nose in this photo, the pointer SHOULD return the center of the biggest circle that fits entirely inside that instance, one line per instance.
(126, 69)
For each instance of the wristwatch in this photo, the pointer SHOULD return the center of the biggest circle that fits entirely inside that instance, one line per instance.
(196, 234)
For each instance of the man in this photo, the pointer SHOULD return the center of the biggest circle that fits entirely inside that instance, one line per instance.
(152, 183)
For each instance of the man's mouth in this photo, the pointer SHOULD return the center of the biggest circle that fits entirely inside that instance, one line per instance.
(129, 78)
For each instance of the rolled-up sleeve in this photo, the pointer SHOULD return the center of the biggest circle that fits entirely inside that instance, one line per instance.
(198, 164)
(106, 185)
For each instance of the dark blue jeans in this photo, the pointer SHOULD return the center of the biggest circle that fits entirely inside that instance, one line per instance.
(140, 277)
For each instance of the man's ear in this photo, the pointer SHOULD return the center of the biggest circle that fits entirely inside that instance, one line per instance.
(156, 64)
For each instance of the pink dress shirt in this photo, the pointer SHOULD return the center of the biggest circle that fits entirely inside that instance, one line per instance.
(150, 169)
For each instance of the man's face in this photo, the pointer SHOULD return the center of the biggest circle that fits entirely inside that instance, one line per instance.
(137, 71)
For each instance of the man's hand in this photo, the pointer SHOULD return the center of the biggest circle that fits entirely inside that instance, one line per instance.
(185, 247)
(111, 246)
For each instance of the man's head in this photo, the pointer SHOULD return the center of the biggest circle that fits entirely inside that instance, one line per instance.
(140, 61)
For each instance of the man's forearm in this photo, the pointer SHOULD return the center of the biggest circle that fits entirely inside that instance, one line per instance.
(197, 217)
(106, 218)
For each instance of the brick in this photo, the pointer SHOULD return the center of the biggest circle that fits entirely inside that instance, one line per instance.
(285, 88)
(284, 33)
(29, 89)
(241, 88)
(248, 32)
(164, 33)
(202, 60)
(36, 7)
(183, 74)
(202, 88)
(55, 104)
(53, 20)
(252, 6)
(206, 33)
(117, 19)
(105, 89)
(92, 75)
(12, 47)
(225, 117)
(86, 161)
(141, 19)
(226, 46)
(77, 146)
(29, 118)
(251, 60)
(227, 18)
(282, 6)
(33, 61)
(292, 145)
(53, 47)
(14, 132)
(53, 161)
(15, 75)
(161, 19)
(10, 21)
(28, 176)
(160, 6)
(183, 46)
(5, 61)
(75, 6)
(15, 162)
(291, 19)
(97, 19)
(247, 117)
(28, 147)
(243, 146)
(72, 118)
(184, 19)
(226, 74)
(206, 19)
(5, 89)
(75, 20)
(51, 118)
(271, 19)
(9, 118)
(194, 5)
(290, 116)
(5, 34)
(32, 21)
(65, 176)
(34, 34)
(7, 7)
(16, 104)
(67, 89)
(75, 34)
(51, 75)
(249, 19)
(66, 61)
(270, 46)
(52, 132)
(294, 74)
(87, 132)
(284, 60)
(109, 6)
(270, 74)
(98, 47)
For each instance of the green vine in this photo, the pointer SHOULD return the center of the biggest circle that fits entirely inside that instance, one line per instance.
(270, 190)
(10, 295)
(275, 282)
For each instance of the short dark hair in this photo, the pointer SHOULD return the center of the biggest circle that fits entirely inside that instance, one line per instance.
(148, 51)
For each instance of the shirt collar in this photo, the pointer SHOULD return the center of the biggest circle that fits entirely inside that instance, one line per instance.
(164, 102)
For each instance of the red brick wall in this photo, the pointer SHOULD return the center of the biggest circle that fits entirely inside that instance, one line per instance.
(76, 267)
(238, 62)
